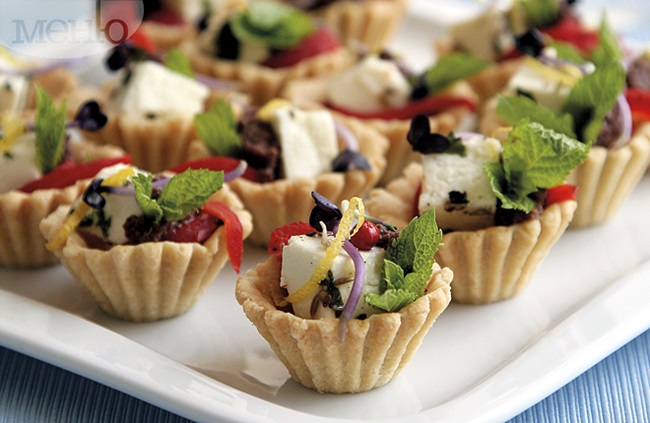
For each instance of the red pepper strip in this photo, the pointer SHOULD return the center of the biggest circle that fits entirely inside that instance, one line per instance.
(141, 40)
(280, 236)
(216, 163)
(427, 106)
(69, 172)
(639, 101)
(564, 192)
(571, 31)
(233, 228)
(321, 41)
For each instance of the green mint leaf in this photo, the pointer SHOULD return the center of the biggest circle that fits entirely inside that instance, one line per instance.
(271, 24)
(533, 157)
(592, 97)
(567, 51)
(50, 132)
(217, 128)
(188, 191)
(178, 62)
(608, 49)
(514, 108)
(451, 68)
(413, 253)
(143, 189)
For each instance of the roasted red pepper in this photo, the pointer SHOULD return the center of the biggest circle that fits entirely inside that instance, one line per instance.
(427, 106)
(280, 236)
(319, 42)
(69, 172)
(216, 163)
(233, 229)
(639, 101)
(560, 193)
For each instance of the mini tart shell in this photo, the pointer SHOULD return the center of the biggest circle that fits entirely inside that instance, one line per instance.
(262, 83)
(312, 93)
(605, 179)
(277, 203)
(489, 265)
(373, 351)
(369, 23)
(148, 281)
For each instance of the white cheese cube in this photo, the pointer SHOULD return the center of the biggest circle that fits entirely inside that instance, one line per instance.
(18, 166)
(449, 178)
(299, 260)
(487, 35)
(374, 84)
(154, 91)
(547, 85)
(308, 141)
(13, 93)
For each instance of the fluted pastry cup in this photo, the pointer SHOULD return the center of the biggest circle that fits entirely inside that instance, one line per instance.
(489, 265)
(373, 351)
(148, 281)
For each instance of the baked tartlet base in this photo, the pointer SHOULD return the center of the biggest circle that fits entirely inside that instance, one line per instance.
(149, 281)
(489, 265)
(373, 351)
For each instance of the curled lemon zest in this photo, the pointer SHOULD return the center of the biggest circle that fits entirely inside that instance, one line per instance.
(71, 223)
(332, 251)
(12, 128)
(502, 129)
(266, 111)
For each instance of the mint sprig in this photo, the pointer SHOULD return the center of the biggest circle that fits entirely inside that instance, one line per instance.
(184, 193)
(217, 128)
(608, 49)
(178, 62)
(515, 108)
(540, 13)
(271, 24)
(408, 264)
(533, 158)
(50, 125)
(451, 68)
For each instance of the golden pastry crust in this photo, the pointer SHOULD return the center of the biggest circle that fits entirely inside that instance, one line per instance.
(373, 351)
(149, 281)
(21, 242)
(369, 23)
(277, 203)
(604, 180)
(489, 265)
(312, 92)
(263, 83)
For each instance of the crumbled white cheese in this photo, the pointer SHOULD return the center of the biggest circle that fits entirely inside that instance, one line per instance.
(18, 165)
(487, 35)
(299, 260)
(307, 139)
(13, 93)
(461, 176)
(154, 91)
(372, 85)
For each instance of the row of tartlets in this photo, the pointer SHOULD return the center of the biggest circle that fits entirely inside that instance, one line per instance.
(371, 185)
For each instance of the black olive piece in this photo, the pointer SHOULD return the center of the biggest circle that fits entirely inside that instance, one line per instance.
(530, 43)
(227, 44)
(325, 211)
(119, 56)
(422, 140)
(203, 23)
(89, 117)
(420, 89)
(349, 160)
(457, 197)
(419, 128)
(93, 197)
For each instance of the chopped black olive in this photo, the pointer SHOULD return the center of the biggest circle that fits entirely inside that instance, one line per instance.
(92, 196)
(422, 140)
(457, 197)
(89, 117)
(324, 211)
(530, 43)
(349, 160)
(227, 44)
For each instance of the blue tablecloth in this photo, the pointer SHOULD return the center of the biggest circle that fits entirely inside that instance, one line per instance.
(615, 390)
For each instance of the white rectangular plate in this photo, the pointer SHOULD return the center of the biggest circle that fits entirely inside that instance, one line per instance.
(478, 363)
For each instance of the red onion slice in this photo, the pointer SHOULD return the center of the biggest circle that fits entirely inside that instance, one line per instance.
(626, 117)
(347, 136)
(236, 172)
(357, 287)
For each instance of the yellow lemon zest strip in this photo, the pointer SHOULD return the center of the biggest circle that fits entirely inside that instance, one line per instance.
(71, 223)
(332, 251)
(12, 128)
(266, 111)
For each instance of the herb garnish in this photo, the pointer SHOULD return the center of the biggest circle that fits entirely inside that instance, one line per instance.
(271, 24)
(178, 62)
(408, 264)
(451, 68)
(50, 125)
(217, 128)
(533, 158)
(184, 193)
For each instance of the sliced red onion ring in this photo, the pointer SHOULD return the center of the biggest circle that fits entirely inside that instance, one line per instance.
(357, 287)
(626, 117)
(347, 136)
(157, 183)
(468, 135)
(236, 172)
(218, 84)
